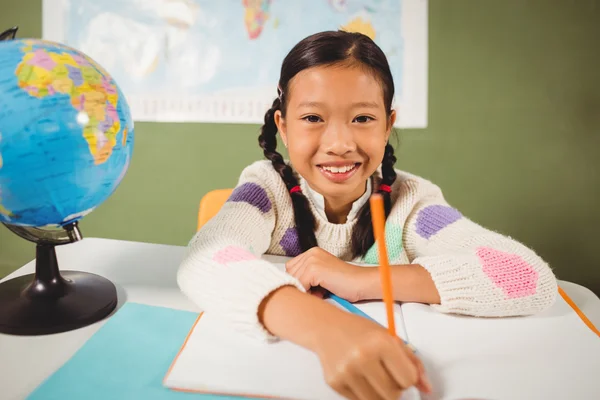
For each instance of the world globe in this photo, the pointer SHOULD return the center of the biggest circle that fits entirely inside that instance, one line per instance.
(66, 141)
(66, 134)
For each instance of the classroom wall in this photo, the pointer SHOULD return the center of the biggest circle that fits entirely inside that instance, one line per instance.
(513, 136)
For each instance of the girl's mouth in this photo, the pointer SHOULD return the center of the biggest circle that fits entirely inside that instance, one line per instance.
(338, 172)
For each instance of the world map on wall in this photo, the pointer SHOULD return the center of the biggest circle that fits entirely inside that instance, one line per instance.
(211, 46)
(199, 60)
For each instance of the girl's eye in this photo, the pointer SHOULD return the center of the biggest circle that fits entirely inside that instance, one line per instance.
(361, 119)
(312, 118)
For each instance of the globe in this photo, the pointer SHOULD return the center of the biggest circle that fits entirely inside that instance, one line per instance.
(66, 134)
(66, 141)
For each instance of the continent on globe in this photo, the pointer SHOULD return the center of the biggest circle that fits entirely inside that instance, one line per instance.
(4, 212)
(360, 25)
(256, 15)
(43, 73)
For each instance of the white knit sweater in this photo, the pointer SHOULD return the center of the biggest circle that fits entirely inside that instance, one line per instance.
(476, 271)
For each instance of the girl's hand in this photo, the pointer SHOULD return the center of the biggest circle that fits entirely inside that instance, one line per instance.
(361, 360)
(316, 267)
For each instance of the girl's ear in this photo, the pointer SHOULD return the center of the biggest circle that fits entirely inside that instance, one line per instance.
(390, 125)
(281, 127)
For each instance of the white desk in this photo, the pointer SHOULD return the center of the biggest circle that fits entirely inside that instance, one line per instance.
(143, 273)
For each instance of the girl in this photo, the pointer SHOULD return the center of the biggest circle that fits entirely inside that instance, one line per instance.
(334, 114)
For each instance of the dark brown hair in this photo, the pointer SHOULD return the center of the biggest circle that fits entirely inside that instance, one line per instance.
(328, 48)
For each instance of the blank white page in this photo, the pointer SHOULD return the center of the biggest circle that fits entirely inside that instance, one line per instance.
(552, 355)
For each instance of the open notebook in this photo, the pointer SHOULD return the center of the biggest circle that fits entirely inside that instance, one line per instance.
(214, 359)
(503, 358)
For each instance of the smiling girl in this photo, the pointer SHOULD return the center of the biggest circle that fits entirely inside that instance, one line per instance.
(334, 114)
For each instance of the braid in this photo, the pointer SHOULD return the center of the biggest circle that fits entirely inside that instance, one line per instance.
(303, 217)
(388, 175)
(362, 235)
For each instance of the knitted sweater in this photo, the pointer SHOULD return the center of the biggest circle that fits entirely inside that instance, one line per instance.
(476, 271)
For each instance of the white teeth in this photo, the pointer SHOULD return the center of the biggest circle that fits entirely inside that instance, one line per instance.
(339, 170)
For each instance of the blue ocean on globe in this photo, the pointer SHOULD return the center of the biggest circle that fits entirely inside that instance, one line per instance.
(66, 134)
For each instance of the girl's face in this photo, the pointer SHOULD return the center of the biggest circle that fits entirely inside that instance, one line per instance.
(335, 129)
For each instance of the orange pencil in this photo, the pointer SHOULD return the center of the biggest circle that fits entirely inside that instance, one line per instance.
(378, 217)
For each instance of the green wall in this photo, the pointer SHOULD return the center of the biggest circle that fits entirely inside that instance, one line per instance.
(513, 136)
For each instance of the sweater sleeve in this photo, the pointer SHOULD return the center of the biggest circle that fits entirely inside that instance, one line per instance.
(223, 272)
(477, 272)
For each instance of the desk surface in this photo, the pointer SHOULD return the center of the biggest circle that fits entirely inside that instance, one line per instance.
(143, 273)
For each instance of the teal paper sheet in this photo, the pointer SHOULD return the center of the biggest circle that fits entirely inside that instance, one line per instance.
(127, 358)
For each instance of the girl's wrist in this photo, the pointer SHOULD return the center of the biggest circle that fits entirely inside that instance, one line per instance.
(410, 283)
(295, 316)
(370, 284)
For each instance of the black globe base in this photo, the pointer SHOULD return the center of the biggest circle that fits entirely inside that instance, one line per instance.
(47, 302)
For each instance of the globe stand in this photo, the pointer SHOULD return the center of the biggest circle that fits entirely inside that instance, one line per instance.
(48, 301)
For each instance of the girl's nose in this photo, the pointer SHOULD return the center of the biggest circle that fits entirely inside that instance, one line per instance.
(338, 140)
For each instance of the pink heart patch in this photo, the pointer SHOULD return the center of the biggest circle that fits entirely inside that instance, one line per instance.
(516, 277)
(232, 254)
